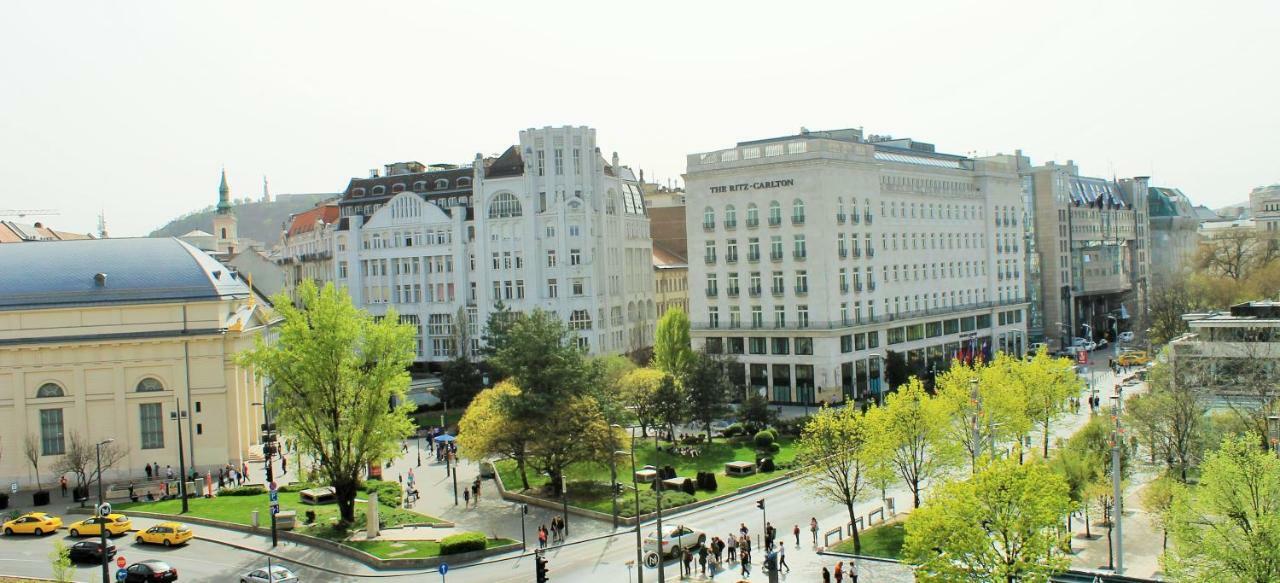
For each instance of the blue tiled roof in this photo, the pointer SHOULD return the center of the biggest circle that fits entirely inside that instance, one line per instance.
(48, 274)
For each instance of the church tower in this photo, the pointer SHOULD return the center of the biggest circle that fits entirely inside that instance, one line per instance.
(224, 222)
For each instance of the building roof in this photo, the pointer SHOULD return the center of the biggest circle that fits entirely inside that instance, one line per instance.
(51, 274)
(305, 221)
(664, 258)
(510, 163)
(11, 232)
(667, 228)
(1168, 202)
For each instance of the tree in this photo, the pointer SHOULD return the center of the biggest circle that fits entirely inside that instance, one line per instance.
(1078, 471)
(1157, 498)
(81, 459)
(896, 372)
(999, 411)
(1101, 495)
(1171, 419)
(755, 412)
(835, 452)
(670, 404)
(334, 374)
(611, 369)
(459, 382)
(638, 391)
(910, 431)
(1226, 528)
(31, 448)
(672, 350)
(708, 387)
(64, 571)
(497, 329)
(1235, 254)
(485, 431)
(1000, 525)
(575, 432)
(1048, 383)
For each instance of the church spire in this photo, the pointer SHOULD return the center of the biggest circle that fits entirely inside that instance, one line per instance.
(224, 195)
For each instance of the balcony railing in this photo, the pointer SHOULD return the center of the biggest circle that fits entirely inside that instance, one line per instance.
(777, 291)
(731, 258)
(730, 224)
(864, 320)
(775, 255)
(753, 257)
(708, 226)
(797, 219)
(754, 292)
(868, 218)
(753, 223)
(840, 218)
(775, 221)
(871, 251)
(799, 254)
(712, 292)
(802, 290)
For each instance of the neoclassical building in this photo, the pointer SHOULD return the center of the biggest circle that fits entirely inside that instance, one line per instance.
(549, 224)
(107, 338)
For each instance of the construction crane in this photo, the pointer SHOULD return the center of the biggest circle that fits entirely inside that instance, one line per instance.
(20, 213)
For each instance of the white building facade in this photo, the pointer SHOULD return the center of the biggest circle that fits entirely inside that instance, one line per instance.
(814, 258)
(549, 224)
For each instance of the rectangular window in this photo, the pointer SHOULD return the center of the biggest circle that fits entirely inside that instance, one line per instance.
(873, 340)
(758, 345)
(781, 345)
(559, 161)
(984, 321)
(951, 326)
(736, 345)
(152, 426)
(804, 346)
(860, 342)
(552, 288)
(846, 343)
(575, 257)
(897, 335)
(577, 287)
(757, 317)
(51, 438)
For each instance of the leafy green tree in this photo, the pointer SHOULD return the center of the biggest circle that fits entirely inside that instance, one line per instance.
(460, 380)
(672, 348)
(1048, 383)
(670, 404)
(835, 452)
(755, 412)
(333, 371)
(497, 329)
(1000, 525)
(575, 432)
(910, 431)
(707, 385)
(638, 390)
(1226, 529)
(1171, 419)
(486, 431)
(1078, 471)
(611, 369)
(1101, 496)
(64, 571)
(1157, 499)
(998, 414)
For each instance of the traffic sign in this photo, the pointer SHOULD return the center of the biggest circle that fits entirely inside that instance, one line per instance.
(272, 486)
(444, 568)
(275, 508)
(275, 496)
(121, 574)
(120, 561)
(104, 509)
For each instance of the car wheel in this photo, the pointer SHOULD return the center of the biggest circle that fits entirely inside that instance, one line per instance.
(75, 532)
(8, 531)
(167, 543)
(138, 540)
(39, 532)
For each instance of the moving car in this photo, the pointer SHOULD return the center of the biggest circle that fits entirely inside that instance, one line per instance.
(1084, 343)
(1133, 358)
(279, 574)
(1126, 336)
(166, 533)
(37, 523)
(674, 539)
(150, 571)
(90, 551)
(117, 524)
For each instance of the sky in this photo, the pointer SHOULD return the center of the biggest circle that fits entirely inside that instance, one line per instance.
(132, 108)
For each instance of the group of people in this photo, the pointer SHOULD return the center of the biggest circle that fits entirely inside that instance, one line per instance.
(229, 475)
(471, 493)
(840, 573)
(557, 532)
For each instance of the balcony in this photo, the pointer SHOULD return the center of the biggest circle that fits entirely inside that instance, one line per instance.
(844, 289)
(776, 256)
(861, 320)
(840, 218)
(775, 221)
(711, 259)
(844, 253)
(731, 258)
(730, 224)
(732, 292)
(857, 287)
(753, 257)
(778, 291)
(802, 290)
(753, 223)
(857, 252)
(799, 254)
(712, 292)
(871, 251)
(855, 218)
(871, 286)
(708, 226)
(868, 218)
(797, 219)
(754, 292)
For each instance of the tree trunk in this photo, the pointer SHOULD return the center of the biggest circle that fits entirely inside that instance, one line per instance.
(1087, 533)
(708, 432)
(345, 491)
(857, 538)
(1046, 441)
(524, 475)
(915, 493)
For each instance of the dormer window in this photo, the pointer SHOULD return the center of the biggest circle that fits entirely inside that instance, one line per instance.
(379, 189)
(464, 181)
(398, 187)
(420, 186)
(442, 183)
(357, 192)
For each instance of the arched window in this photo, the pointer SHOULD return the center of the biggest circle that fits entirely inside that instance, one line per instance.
(580, 320)
(149, 385)
(504, 205)
(442, 183)
(357, 192)
(464, 181)
(730, 217)
(397, 187)
(708, 218)
(420, 186)
(797, 212)
(775, 214)
(49, 390)
(379, 189)
(753, 215)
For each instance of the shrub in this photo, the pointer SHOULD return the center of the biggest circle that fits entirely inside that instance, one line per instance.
(687, 487)
(775, 447)
(297, 487)
(389, 493)
(648, 499)
(734, 430)
(766, 465)
(242, 491)
(310, 517)
(668, 473)
(463, 542)
(764, 439)
(711, 482)
(774, 432)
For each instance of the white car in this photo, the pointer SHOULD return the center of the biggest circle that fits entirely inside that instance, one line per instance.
(1126, 336)
(675, 538)
(279, 574)
(1084, 343)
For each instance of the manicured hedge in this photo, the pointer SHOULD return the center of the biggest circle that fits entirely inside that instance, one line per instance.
(389, 493)
(462, 542)
(242, 491)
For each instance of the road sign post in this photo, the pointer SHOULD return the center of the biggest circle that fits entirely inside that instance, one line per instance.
(120, 562)
(121, 574)
(443, 568)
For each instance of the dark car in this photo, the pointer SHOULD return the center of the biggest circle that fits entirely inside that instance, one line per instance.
(150, 571)
(90, 551)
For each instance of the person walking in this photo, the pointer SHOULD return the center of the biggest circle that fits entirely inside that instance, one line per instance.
(687, 559)
(168, 472)
(542, 536)
(782, 556)
(826, 575)
(148, 469)
(466, 498)
(62, 483)
(839, 572)
(853, 571)
(732, 545)
(796, 531)
(284, 464)
(813, 528)
(745, 562)
(702, 558)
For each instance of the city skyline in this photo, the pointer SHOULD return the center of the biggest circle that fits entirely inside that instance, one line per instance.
(141, 106)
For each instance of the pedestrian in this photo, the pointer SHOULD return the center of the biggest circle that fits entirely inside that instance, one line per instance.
(466, 498)
(702, 558)
(732, 546)
(132, 497)
(284, 464)
(782, 556)
(687, 559)
(168, 471)
(796, 531)
(475, 491)
(770, 533)
(148, 469)
(826, 575)
(813, 528)
(853, 571)
(62, 483)
(839, 572)
(542, 536)
(745, 562)
(715, 565)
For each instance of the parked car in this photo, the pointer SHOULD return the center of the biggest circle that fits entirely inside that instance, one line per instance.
(117, 524)
(37, 523)
(674, 539)
(166, 533)
(90, 551)
(150, 571)
(1126, 336)
(1084, 343)
(279, 574)
(1133, 358)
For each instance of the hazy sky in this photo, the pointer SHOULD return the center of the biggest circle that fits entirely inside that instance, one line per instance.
(133, 107)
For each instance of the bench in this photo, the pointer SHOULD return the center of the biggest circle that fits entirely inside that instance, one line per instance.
(739, 468)
(317, 496)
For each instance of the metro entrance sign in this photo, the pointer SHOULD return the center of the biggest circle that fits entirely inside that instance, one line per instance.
(120, 562)
(1082, 357)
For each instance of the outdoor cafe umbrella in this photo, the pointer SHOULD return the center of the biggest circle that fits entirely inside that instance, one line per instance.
(444, 437)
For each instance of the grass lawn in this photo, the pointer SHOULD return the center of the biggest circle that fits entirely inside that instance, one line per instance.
(237, 510)
(589, 482)
(431, 418)
(881, 541)
(411, 549)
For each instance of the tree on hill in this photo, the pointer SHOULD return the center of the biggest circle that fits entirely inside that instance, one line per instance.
(258, 221)
(333, 370)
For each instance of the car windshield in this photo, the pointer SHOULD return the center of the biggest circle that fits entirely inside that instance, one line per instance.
(281, 574)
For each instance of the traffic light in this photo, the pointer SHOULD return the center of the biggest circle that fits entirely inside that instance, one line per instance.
(760, 503)
(540, 568)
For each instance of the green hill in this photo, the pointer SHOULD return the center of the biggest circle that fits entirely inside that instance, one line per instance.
(254, 220)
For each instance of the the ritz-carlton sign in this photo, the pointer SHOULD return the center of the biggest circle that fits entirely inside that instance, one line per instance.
(753, 186)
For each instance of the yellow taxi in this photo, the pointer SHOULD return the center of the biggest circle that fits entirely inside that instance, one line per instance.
(1133, 358)
(166, 533)
(117, 524)
(37, 523)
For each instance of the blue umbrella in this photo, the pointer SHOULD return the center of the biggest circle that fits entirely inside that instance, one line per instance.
(444, 437)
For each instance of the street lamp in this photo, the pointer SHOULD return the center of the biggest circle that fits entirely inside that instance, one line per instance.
(1117, 435)
(658, 503)
(635, 487)
(267, 450)
(102, 516)
(178, 415)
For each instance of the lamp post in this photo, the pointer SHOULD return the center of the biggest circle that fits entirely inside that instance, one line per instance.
(635, 487)
(417, 439)
(102, 517)
(1117, 435)
(267, 450)
(658, 503)
(975, 398)
(178, 415)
